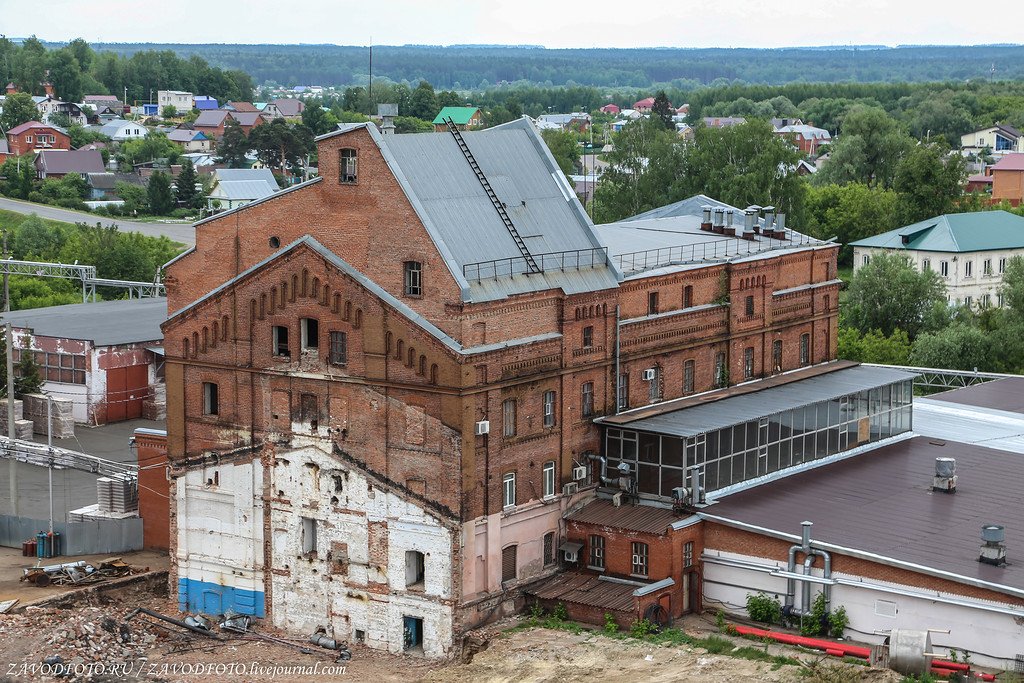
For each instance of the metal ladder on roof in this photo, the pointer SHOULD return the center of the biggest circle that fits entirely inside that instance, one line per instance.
(531, 264)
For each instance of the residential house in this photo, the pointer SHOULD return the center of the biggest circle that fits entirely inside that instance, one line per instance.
(287, 108)
(50, 106)
(212, 122)
(1008, 179)
(576, 121)
(180, 100)
(684, 110)
(998, 140)
(969, 251)
(610, 109)
(106, 356)
(203, 103)
(644, 106)
(236, 187)
(34, 136)
(101, 185)
(804, 167)
(778, 123)
(241, 106)
(980, 182)
(190, 140)
(806, 138)
(107, 107)
(5, 148)
(120, 130)
(410, 416)
(723, 121)
(464, 118)
(58, 163)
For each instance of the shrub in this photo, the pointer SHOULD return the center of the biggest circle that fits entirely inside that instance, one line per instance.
(610, 626)
(815, 623)
(560, 613)
(642, 628)
(838, 621)
(763, 608)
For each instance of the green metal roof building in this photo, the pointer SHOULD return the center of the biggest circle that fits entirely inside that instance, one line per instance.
(460, 116)
(969, 251)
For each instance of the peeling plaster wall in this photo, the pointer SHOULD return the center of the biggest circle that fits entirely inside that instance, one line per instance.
(219, 554)
(356, 578)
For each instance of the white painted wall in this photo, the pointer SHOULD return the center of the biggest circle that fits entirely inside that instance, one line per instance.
(993, 639)
(307, 595)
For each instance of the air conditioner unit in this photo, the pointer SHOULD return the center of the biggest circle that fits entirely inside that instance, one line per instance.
(483, 427)
(569, 556)
(570, 489)
(579, 473)
(649, 374)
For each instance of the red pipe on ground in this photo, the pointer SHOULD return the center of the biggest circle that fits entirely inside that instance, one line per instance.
(950, 666)
(842, 649)
(938, 671)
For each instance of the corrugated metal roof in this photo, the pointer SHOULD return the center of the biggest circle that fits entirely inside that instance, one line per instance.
(990, 427)
(643, 519)
(105, 323)
(582, 588)
(459, 115)
(699, 419)
(956, 232)
(881, 502)
(243, 189)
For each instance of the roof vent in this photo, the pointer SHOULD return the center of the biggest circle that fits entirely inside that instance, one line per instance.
(993, 550)
(718, 222)
(945, 475)
(705, 217)
(769, 220)
(750, 221)
(780, 226)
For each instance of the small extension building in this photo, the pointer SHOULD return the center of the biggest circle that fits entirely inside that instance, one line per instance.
(465, 118)
(969, 251)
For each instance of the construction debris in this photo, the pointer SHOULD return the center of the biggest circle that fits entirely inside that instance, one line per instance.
(79, 573)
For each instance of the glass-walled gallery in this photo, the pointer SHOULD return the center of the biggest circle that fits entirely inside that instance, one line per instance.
(762, 445)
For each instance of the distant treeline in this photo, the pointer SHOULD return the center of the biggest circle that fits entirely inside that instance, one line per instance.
(466, 68)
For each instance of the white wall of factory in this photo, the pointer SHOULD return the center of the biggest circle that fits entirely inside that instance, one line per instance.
(220, 539)
(993, 638)
(356, 578)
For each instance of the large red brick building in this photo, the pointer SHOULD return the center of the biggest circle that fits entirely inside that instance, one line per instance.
(381, 383)
(35, 137)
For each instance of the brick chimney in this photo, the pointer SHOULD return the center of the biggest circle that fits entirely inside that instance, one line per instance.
(47, 86)
(11, 88)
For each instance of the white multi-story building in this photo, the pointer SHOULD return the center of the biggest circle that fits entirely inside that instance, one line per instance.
(969, 251)
(180, 100)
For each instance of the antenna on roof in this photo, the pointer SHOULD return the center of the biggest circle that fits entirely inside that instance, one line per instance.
(369, 86)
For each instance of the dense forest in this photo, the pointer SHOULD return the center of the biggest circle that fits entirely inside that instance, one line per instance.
(75, 70)
(477, 67)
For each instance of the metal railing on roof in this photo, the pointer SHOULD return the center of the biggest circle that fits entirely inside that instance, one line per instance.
(573, 259)
(939, 378)
(81, 273)
(718, 250)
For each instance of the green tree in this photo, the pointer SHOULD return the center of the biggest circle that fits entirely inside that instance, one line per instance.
(663, 111)
(645, 165)
(957, 347)
(423, 103)
(65, 73)
(1013, 285)
(868, 151)
(849, 213)
(169, 111)
(564, 148)
(18, 109)
(36, 239)
(888, 294)
(133, 196)
(874, 347)
(282, 146)
(185, 186)
(27, 378)
(17, 177)
(150, 148)
(930, 181)
(161, 199)
(318, 120)
(233, 145)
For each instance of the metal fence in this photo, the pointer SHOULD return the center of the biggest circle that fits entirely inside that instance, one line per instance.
(574, 259)
(76, 538)
(717, 250)
(939, 378)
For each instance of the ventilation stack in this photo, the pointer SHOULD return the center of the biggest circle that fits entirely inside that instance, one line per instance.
(718, 221)
(993, 548)
(945, 475)
(705, 217)
(780, 226)
(769, 221)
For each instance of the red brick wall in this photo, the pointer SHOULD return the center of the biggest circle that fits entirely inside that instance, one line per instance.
(18, 144)
(154, 490)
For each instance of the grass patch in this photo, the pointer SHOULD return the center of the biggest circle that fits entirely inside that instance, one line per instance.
(10, 220)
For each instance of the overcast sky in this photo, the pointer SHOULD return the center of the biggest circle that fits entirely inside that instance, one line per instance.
(552, 23)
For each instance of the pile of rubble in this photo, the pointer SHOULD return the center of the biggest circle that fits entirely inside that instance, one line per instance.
(83, 644)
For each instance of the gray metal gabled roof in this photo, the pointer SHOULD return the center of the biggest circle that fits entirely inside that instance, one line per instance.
(104, 323)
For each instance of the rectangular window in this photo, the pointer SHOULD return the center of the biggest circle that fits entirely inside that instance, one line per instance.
(308, 531)
(55, 367)
(968, 301)
(639, 559)
(280, 333)
(688, 554)
(926, 265)
(654, 388)
(944, 268)
(508, 485)
(652, 303)
(623, 391)
(1002, 265)
(986, 266)
(413, 278)
(508, 417)
(805, 349)
(999, 299)
(777, 355)
(749, 307)
(968, 268)
(548, 475)
(688, 368)
(339, 348)
(865, 260)
(549, 409)
(721, 377)
(210, 402)
(508, 563)
(687, 296)
(588, 337)
(310, 329)
(587, 399)
(986, 300)
(549, 548)
(596, 552)
(347, 166)
(28, 139)
(748, 362)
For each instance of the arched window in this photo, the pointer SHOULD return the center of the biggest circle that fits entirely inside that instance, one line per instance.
(273, 299)
(347, 315)
(400, 350)
(215, 335)
(195, 344)
(359, 319)
(433, 373)
(423, 365)
(224, 328)
(388, 340)
(336, 303)
(411, 360)
(315, 291)
(184, 348)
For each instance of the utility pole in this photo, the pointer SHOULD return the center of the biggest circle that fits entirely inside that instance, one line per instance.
(10, 418)
(369, 88)
(49, 444)
(7, 287)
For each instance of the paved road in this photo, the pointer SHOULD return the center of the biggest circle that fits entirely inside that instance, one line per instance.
(179, 232)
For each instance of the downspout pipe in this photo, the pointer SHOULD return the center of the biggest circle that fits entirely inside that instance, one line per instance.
(618, 376)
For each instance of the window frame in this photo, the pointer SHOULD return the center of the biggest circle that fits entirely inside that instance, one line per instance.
(805, 350)
(748, 306)
(309, 327)
(509, 418)
(748, 363)
(508, 490)
(277, 344)
(588, 337)
(689, 376)
(595, 552)
(211, 399)
(777, 355)
(412, 278)
(549, 400)
(652, 303)
(338, 352)
(549, 549)
(944, 268)
(587, 399)
(622, 391)
(348, 166)
(640, 559)
(548, 479)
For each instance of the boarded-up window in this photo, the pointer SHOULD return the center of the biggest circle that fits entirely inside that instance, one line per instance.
(308, 410)
(549, 548)
(508, 563)
(415, 419)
